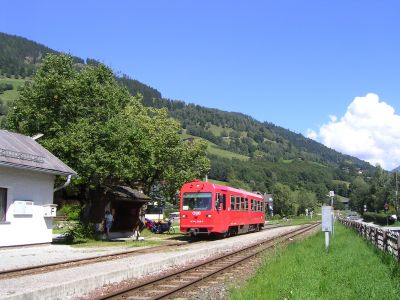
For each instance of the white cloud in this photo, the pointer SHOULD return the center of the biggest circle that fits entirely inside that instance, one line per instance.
(311, 134)
(333, 118)
(369, 130)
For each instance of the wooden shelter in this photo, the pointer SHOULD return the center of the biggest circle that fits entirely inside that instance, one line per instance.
(127, 206)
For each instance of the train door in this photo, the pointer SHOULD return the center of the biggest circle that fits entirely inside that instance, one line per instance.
(220, 207)
(247, 211)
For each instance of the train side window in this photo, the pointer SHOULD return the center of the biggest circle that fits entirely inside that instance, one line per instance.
(246, 203)
(252, 204)
(237, 203)
(223, 201)
(232, 202)
(241, 203)
(258, 205)
(217, 201)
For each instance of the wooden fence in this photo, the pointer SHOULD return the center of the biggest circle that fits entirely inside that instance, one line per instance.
(385, 240)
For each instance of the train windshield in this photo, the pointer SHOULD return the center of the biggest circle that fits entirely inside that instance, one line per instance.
(196, 201)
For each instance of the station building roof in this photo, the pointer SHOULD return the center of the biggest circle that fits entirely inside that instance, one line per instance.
(23, 152)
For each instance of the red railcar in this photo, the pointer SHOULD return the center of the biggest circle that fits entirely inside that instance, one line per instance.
(208, 208)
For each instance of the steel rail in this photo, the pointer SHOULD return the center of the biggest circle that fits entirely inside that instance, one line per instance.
(44, 268)
(17, 272)
(255, 249)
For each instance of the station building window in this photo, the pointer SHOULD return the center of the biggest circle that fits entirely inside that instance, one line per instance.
(3, 204)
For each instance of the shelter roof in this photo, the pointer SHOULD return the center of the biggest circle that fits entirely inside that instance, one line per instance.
(126, 193)
(343, 199)
(23, 152)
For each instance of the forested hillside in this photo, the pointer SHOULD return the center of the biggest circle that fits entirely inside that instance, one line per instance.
(19, 57)
(264, 157)
(242, 134)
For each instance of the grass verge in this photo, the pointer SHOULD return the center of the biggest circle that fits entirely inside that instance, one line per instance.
(352, 269)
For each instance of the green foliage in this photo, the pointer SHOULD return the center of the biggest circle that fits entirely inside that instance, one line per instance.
(378, 218)
(20, 56)
(351, 269)
(373, 191)
(94, 125)
(82, 105)
(276, 217)
(306, 200)
(80, 231)
(284, 200)
(135, 87)
(72, 212)
(5, 87)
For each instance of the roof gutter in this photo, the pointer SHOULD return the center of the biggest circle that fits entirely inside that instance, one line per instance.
(64, 185)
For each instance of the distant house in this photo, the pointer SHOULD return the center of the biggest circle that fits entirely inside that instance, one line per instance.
(345, 201)
(27, 175)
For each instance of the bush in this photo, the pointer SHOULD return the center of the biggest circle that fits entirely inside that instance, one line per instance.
(276, 217)
(383, 219)
(378, 218)
(72, 212)
(369, 217)
(80, 232)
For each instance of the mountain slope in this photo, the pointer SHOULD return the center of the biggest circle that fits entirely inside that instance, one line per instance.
(275, 154)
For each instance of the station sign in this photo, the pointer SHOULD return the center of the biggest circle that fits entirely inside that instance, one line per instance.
(327, 220)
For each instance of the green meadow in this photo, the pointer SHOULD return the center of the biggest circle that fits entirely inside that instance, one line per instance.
(351, 269)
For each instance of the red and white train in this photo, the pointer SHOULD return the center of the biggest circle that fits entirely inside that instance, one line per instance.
(208, 208)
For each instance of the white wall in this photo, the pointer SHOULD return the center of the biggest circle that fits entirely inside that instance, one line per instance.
(26, 185)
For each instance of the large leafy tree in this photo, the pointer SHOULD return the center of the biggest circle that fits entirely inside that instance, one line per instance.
(94, 125)
(285, 202)
(360, 191)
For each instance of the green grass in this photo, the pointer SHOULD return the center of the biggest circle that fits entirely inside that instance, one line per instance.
(286, 161)
(59, 230)
(352, 269)
(217, 130)
(316, 164)
(341, 182)
(218, 182)
(11, 95)
(216, 150)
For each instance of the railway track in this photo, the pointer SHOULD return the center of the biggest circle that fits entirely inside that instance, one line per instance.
(17, 272)
(175, 282)
(25, 271)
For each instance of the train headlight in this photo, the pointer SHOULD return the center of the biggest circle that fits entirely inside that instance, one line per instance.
(208, 216)
(184, 216)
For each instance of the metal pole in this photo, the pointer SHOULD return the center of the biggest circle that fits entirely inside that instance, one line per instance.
(327, 240)
(333, 216)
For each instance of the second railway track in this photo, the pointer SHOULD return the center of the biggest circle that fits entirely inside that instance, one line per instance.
(36, 269)
(170, 284)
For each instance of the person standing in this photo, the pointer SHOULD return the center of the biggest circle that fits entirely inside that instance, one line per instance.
(108, 222)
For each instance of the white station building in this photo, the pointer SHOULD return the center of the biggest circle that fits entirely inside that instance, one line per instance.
(27, 176)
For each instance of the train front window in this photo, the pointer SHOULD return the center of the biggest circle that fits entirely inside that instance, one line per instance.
(196, 201)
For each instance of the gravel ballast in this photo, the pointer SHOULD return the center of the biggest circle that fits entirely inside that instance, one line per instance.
(74, 282)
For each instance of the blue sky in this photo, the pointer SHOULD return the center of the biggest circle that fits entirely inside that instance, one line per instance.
(298, 64)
